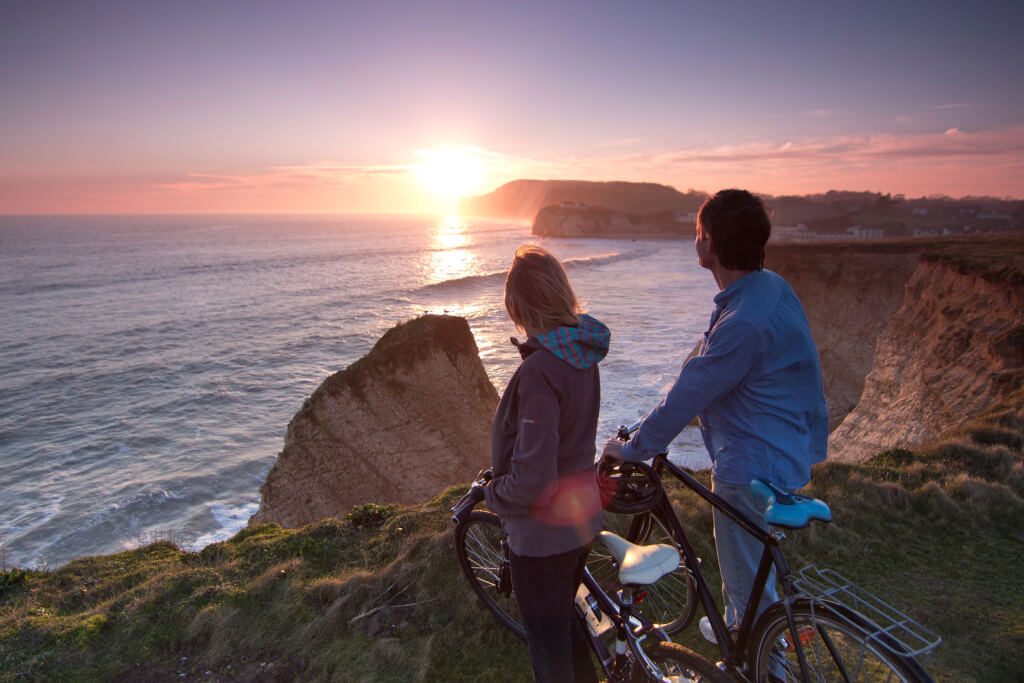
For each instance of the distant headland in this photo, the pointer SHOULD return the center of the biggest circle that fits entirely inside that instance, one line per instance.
(578, 208)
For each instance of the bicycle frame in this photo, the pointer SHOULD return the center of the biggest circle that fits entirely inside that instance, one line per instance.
(631, 627)
(772, 555)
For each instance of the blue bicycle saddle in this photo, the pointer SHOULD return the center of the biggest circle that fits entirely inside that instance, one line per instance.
(788, 509)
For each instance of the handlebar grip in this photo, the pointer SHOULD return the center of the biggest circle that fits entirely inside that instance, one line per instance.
(476, 493)
(467, 502)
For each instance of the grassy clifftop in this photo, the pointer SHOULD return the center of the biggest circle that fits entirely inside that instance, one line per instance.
(936, 532)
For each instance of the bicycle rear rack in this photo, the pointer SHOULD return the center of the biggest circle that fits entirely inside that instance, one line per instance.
(886, 624)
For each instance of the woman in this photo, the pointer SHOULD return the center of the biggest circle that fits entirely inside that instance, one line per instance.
(542, 450)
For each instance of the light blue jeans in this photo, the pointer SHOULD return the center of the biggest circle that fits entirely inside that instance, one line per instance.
(739, 553)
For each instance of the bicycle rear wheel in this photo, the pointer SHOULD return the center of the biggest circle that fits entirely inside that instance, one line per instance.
(836, 643)
(671, 602)
(480, 549)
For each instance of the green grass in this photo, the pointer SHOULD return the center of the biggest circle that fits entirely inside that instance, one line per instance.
(937, 532)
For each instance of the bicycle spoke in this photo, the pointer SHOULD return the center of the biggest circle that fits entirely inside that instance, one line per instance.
(479, 548)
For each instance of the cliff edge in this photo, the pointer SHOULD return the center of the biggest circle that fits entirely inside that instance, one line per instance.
(916, 337)
(407, 420)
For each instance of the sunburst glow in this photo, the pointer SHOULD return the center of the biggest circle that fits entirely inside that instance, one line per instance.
(451, 173)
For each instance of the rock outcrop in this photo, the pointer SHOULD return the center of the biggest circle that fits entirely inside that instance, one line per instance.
(401, 424)
(915, 337)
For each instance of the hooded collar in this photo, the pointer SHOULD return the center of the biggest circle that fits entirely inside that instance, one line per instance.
(581, 346)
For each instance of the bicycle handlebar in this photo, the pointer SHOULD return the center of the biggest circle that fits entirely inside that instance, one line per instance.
(625, 430)
(472, 497)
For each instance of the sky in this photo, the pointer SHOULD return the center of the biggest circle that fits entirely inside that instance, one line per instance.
(325, 106)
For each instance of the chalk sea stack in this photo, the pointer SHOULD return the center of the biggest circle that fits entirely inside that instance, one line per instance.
(399, 425)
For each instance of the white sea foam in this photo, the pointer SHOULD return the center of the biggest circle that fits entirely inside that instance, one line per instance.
(231, 518)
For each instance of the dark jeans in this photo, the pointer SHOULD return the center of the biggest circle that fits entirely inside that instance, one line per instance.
(545, 590)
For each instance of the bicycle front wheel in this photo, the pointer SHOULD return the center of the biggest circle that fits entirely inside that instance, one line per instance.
(837, 645)
(481, 551)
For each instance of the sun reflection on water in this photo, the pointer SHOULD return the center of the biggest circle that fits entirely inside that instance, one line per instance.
(451, 257)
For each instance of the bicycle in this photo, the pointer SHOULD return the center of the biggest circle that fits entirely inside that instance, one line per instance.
(628, 646)
(824, 627)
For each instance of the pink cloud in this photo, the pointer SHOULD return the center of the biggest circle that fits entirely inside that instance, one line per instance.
(311, 175)
(953, 143)
(955, 162)
(950, 106)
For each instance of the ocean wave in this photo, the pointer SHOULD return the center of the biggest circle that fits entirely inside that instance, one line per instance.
(125, 515)
(30, 515)
(472, 282)
(230, 519)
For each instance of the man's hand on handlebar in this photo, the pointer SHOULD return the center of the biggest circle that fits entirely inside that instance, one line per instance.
(612, 450)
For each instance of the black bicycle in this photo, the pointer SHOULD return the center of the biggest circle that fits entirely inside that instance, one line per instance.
(627, 644)
(823, 628)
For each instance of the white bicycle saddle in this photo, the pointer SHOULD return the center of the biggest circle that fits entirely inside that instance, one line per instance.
(640, 565)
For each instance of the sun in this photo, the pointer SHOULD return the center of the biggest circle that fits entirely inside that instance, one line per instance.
(450, 173)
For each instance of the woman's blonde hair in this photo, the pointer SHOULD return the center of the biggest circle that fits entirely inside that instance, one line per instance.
(537, 291)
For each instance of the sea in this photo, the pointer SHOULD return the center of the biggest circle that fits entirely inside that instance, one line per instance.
(150, 364)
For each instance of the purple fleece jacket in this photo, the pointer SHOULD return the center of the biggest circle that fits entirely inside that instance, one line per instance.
(543, 442)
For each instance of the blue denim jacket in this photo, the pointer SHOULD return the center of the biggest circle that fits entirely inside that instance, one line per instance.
(756, 386)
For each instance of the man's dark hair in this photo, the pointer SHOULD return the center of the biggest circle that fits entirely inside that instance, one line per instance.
(738, 225)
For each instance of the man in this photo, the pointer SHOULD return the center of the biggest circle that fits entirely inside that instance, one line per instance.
(755, 384)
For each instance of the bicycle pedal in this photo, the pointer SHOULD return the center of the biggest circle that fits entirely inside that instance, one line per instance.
(505, 579)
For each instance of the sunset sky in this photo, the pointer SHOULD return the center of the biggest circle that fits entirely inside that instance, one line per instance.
(330, 106)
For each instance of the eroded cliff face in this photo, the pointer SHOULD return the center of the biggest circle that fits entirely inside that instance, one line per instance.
(915, 337)
(849, 292)
(590, 221)
(954, 350)
(398, 426)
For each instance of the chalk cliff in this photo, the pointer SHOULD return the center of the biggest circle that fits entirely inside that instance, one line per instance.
(849, 291)
(915, 337)
(406, 421)
(520, 200)
(953, 351)
(589, 221)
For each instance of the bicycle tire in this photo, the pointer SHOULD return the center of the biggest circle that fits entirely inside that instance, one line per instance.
(671, 602)
(672, 660)
(478, 548)
(838, 647)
